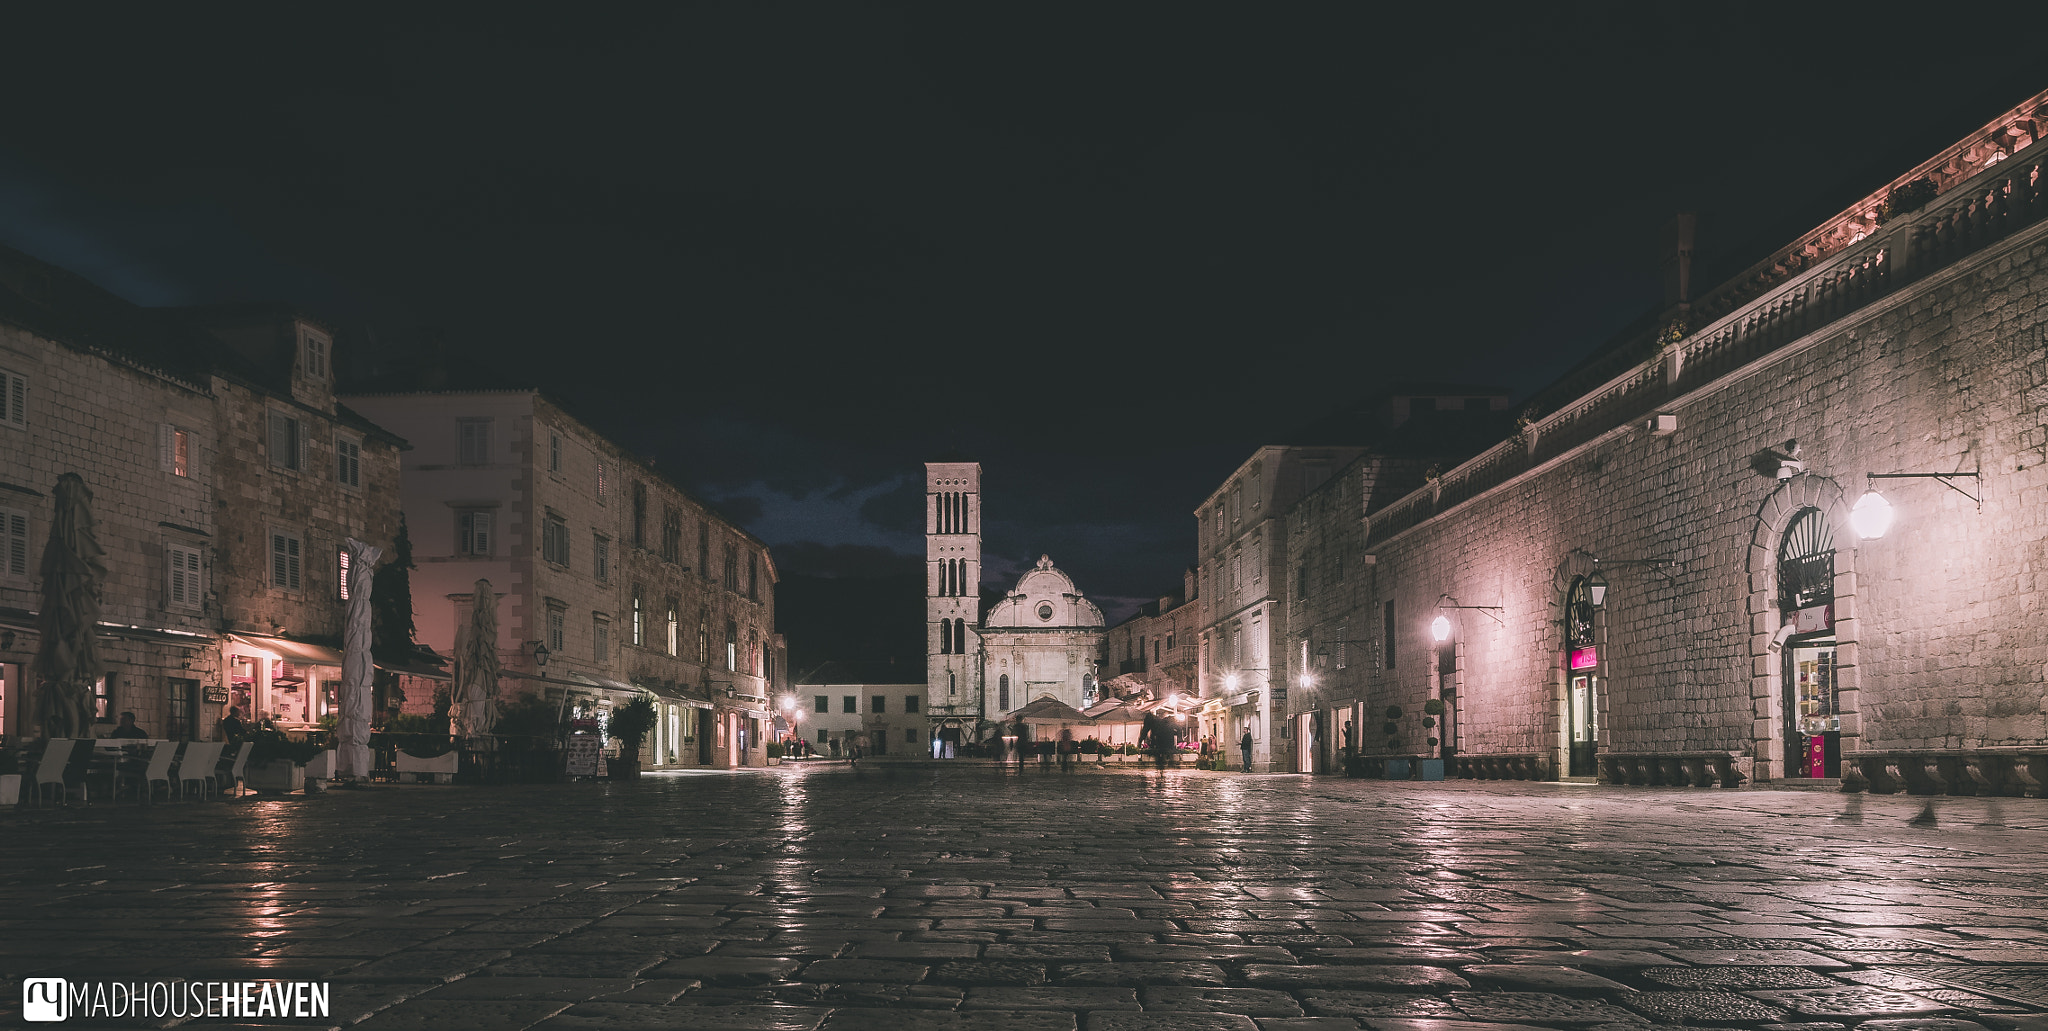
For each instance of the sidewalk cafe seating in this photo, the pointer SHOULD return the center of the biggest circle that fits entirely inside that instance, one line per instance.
(146, 778)
(232, 778)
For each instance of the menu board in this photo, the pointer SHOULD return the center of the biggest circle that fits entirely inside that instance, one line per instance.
(583, 751)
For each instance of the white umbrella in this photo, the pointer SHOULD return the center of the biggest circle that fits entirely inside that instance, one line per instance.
(67, 657)
(353, 738)
(476, 666)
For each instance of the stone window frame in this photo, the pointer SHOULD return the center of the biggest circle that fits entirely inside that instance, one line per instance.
(184, 574)
(174, 450)
(13, 399)
(348, 462)
(473, 440)
(291, 575)
(600, 557)
(555, 624)
(1773, 519)
(287, 431)
(849, 704)
(466, 530)
(554, 538)
(600, 637)
(316, 354)
(15, 549)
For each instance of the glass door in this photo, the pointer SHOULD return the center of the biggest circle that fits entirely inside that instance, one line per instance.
(1585, 730)
(1813, 723)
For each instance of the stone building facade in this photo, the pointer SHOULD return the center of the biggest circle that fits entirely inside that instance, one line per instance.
(221, 543)
(958, 704)
(1242, 548)
(877, 705)
(1040, 641)
(629, 584)
(1661, 579)
(1154, 651)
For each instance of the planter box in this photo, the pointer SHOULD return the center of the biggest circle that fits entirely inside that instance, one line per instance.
(1397, 769)
(440, 769)
(276, 776)
(1432, 769)
(319, 770)
(10, 788)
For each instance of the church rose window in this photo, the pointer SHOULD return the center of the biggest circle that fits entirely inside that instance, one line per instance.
(1045, 611)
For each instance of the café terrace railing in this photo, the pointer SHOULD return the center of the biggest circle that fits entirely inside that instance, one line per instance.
(1987, 187)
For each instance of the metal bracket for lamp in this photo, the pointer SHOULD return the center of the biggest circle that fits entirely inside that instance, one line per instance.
(1596, 585)
(1947, 480)
(1490, 610)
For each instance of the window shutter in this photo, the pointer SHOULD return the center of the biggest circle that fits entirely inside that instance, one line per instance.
(166, 447)
(299, 432)
(16, 525)
(13, 399)
(280, 438)
(277, 560)
(292, 547)
(177, 576)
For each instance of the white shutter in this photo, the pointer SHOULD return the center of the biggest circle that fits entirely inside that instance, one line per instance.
(166, 447)
(175, 585)
(278, 570)
(299, 432)
(292, 547)
(480, 533)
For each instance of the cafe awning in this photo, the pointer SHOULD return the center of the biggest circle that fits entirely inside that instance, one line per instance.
(288, 650)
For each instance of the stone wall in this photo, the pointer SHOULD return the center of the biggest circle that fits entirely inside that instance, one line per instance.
(1937, 636)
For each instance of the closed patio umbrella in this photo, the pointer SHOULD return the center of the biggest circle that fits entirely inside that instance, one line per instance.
(67, 658)
(476, 666)
(352, 738)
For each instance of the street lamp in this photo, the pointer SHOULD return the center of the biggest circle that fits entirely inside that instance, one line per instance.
(1440, 628)
(540, 655)
(1872, 515)
(1596, 589)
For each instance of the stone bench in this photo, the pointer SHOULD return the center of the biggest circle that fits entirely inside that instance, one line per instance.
(1502, 766)
(1988, 771)
(1671, 769)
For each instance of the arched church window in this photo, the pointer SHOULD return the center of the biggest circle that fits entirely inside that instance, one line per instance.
(1003, 693)
(1806, 562)
(960, 636)
(945, 637)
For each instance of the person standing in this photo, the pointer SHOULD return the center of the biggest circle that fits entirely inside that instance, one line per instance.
(1244, 744)
(1067, 746)
(231, 726)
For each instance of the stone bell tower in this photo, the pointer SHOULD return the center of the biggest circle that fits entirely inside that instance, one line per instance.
(952, 548)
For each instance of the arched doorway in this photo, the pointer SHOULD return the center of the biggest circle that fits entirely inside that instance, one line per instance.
(1811, 703)
(1582, 667)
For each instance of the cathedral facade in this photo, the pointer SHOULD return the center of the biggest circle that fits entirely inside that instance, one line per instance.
(1041, 640)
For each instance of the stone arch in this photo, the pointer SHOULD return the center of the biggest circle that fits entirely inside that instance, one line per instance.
(1773, 518)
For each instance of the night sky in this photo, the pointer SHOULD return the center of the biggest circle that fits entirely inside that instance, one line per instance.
(793, 252)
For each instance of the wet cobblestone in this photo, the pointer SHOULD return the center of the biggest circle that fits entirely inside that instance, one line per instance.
(954, 897)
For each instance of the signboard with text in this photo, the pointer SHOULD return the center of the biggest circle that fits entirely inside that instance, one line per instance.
(1585, 658)
(582, 756)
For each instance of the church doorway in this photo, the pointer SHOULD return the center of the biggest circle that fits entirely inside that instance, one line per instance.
(1806, 602)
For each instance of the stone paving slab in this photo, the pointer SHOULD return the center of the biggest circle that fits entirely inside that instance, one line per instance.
(809, 898)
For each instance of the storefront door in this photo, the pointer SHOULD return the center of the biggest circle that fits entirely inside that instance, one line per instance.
(704, 735)
(1813, 724)
(1584, 705)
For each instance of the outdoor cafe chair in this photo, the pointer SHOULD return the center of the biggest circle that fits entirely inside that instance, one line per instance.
(50, 771)
(196, 767)
(146, 779)
(233, 778)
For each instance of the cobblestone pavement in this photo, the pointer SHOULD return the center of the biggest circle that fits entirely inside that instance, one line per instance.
(920, 897)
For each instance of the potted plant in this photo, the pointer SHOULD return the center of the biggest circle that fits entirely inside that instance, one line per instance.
(631, 723)
(774, 753)
(1432, 767)
(276, 762)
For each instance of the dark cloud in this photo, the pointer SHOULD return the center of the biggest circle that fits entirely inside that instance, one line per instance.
(844, 561)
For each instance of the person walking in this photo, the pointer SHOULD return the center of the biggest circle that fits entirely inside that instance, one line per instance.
(1244, 744)
(1067, 746)
(1157, 737)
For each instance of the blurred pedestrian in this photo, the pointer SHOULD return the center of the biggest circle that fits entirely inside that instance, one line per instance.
(1244, 744)
(231, 726)
(1067, 747)
(1156, 736)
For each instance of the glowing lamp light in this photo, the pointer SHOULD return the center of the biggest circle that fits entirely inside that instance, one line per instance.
(1230, 681)
(1307, 681)
(1871, 517)
(1173, 701)
(1440, 628)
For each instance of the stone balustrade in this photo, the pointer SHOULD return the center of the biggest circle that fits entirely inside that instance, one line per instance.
(1502, 766)
(1984, 771)
(1672, 769)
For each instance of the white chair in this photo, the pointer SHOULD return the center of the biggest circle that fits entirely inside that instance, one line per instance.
(196, 766)
(236, 775)
(50, 771)
(146, 779)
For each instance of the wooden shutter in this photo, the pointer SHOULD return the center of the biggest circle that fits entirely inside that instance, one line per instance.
(13, 399)
(280, 440)
(15, 560)
(166, 447)
(284, 561)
